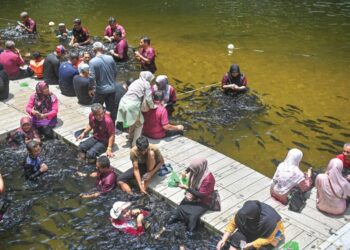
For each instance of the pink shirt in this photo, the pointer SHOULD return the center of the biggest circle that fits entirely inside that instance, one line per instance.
(150, 54)
(102, 129)
(109, 31)
(155, 119)
(121, 48)
(30, 24)
(11, 62)
(54, 108)
(346, 164)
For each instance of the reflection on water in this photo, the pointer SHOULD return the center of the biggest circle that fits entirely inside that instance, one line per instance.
(48, 214)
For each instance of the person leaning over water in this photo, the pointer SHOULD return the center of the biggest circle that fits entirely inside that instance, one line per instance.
(234, 80)
(103, 71)
(257, 224)
(80, 34)
(111, 28)
(333, 189)
(52, 64)
(106, 178)
(43, 108)
(198, 195)
(129, 112)
(146, 55)
(146, 161)
(103, 133)
(83, 85)
(33, 165)
(27, 23)
(288, 175)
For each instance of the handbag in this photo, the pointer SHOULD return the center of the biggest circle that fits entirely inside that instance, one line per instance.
(296, 200)
(215, 204)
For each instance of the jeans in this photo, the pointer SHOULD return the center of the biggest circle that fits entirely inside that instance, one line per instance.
(92, 147)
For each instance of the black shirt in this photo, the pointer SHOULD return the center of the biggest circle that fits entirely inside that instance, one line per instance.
(51, 65)
(81, 86)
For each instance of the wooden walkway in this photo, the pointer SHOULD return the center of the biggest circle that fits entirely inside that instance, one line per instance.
(235, 181)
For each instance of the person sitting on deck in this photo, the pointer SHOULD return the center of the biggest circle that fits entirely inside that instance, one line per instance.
(288, 175)
(111, 28)
(12, 60)
(43, 108)
(198, 194)
(345, 158)
(33, 165)
(146, 161)
(83, 85)
(146, 55)
(128, 220)
(120, 52)
(4, 84)
(28, 24)
(257, 224)
(105, 176)
(25, 133)
(37, 65)
(156, 125)
(80, 35)
(52, 64)
(234, 81)
(169, 93)
(63, 34)
(66, 73)
(333, 189)
(103, 134)
(85, 58)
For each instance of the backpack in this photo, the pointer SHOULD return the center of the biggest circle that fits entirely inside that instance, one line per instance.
(296, 200)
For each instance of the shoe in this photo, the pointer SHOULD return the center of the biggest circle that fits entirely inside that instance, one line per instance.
(165, 169)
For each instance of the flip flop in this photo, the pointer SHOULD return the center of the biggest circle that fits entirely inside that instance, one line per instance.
(165, 169)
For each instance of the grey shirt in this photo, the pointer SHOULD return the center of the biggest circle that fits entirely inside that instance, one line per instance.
(103, 71)
(51, 65)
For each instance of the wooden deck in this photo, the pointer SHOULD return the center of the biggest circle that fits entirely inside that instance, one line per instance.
(235, 181)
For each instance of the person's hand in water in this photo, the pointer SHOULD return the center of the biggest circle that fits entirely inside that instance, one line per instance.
(81, 174)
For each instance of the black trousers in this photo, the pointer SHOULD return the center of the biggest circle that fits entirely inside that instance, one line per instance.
(109, 101)
(46, 131)
(92, 147)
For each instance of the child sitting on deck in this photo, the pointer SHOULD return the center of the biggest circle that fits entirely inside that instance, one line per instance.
(127, 220)
(25, 133)
(33, 165)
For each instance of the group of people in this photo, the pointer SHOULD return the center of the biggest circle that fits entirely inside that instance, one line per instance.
(142, 107)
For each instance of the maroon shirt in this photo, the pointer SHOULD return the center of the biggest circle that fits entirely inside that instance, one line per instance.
(30, 24)
(225, 81)
(102, 129)
(11, 62)
(155, 119)
(150, 54)
(121, 48)
(346, 164)
(107, 181)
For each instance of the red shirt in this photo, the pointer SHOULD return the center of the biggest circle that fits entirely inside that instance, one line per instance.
(11, 62)
(155, 119)
(102, 129)
(346, 164)
(109, 31)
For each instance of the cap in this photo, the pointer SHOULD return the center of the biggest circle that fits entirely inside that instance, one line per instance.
(83, 67)
(60, 49)
(118, 207)
(61, 25)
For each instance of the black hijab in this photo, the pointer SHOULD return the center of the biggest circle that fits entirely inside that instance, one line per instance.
(256, 220)
(234, 80)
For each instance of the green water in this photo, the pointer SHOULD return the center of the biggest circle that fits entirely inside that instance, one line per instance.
(292, 52)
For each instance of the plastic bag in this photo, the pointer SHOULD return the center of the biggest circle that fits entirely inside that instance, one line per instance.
(291, 245)
(174, 180)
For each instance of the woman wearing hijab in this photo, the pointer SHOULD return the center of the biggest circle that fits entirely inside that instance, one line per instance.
(169, 93)
(198, 194)
(129, 111)
(332, 189)
(234, 81)
(43, 108)
(25, 133)
(257, 224)
(288, 175)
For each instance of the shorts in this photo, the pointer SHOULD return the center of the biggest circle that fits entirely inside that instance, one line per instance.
(128, 175)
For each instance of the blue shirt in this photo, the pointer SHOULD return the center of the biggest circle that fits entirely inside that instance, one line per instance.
(66, 72)
(31, 165)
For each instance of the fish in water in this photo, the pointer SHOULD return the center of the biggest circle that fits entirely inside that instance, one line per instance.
(294, 107)
(275, 162)
(301, 145)
(41, 230)
(320, 131)
(299, 133)
(323, 137)
(237, 144)
(332, 118)
(261, 144)
(275, 139)
(342, 97)
(327, 150)
(177, 80)
(279, 114)
(220, 139)
(345, 134)
(338, 143)
(268, 123)
(328, 145)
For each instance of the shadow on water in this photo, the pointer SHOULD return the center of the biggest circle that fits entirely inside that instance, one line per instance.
(49, 213)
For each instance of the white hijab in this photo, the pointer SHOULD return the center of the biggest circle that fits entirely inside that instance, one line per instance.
(288, 174)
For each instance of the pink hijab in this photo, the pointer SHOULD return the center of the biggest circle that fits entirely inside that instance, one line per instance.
(199, 170)
(340, 185)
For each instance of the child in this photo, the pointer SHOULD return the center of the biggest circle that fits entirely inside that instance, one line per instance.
(25, 133)
(127, 220)
(33, 166)
(37, 65)
(106, 178)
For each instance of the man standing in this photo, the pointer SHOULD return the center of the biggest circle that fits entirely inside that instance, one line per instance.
(120, 52)
(146, 161)
(27, 23)
(67, 71)
(52, 64)
(156, 123)
(111, 28)
(80, 35)
(103, 133)
(103, 72)
(146, 55)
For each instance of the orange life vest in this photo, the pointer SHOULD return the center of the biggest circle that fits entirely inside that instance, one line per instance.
(37, 67)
